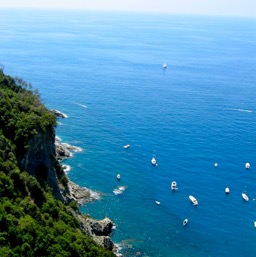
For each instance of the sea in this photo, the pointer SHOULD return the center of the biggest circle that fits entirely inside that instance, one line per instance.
(104, 71)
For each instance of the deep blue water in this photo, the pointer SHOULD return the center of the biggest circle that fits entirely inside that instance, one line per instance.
(104, 70)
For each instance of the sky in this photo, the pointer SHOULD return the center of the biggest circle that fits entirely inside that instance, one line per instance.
(246, 8)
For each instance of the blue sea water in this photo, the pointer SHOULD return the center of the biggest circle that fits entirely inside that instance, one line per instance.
(104, 70)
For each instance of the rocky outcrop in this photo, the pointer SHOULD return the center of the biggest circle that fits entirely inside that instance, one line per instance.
(81, 195)
(58, 114)
(64, 150)
(98, 230)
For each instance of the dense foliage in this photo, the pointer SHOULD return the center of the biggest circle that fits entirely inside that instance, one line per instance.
(32, 221)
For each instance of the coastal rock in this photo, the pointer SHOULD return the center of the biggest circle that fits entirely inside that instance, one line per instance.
(106, 242)
(98, 230)
(64, 150)
(100, 227)
(81, 195)
(58, 114)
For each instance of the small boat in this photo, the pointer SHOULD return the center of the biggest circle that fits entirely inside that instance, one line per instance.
(126, 146)
(247, 165)
(164, 66)
(245, 197)
(254, 223)
(118, 176)
(193, 200)
(227, 190)
(185, 222)
(153, 161)
(215, 164)
(174, 185)
(157, 202)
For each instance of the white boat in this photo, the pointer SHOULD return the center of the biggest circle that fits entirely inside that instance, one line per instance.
(185, 222)
(193, 200)
(254, 223)
(126, 146)
(215, 164)
(118, 176)
(164, 66)
(227, 190)
(247, 165)
(153, 161)
(157, 202)
(174, 185)
(245, 197)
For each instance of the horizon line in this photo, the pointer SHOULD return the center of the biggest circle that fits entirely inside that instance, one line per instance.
(127, 11)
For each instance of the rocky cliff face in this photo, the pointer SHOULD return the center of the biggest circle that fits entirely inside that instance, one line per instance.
(98, 230)
(40, 160)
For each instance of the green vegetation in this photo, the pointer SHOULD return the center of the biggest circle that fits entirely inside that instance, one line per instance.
(32, 221)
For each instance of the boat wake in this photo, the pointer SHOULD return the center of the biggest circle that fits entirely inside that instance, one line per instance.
(239, 110)
(82, 105)
(119, 190)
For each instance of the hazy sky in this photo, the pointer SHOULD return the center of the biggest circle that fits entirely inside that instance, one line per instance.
(205, 7)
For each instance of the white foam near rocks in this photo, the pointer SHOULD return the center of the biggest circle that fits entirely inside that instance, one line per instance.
(66, 168)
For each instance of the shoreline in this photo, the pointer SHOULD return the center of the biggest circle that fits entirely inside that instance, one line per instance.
(98, 230)
(81, 195)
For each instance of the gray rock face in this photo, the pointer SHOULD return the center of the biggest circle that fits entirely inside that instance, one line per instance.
(64, 150)
(61, 151)
(81, 195)
(100, 227)
(40, 160)
(98, 230)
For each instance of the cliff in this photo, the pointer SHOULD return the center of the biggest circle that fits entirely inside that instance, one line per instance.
(40, 160)
(33, 220)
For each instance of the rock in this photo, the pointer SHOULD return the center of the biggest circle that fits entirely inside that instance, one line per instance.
(39, 159)
(81, 194)
(106, 242)
(58, 114)
(98, 230)
(61, 151)
(64, 150)
(100, 227)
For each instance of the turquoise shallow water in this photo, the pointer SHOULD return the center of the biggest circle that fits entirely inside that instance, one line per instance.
(105, 72)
